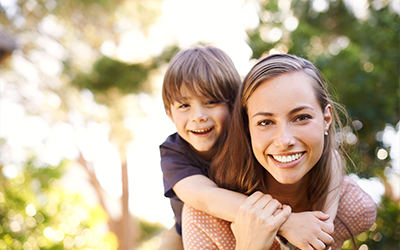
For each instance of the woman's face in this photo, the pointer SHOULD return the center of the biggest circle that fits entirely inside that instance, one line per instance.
(287, 126)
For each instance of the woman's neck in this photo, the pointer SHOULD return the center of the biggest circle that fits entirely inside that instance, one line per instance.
(294, 195)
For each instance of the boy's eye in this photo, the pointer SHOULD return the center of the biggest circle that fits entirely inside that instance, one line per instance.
(183, 105)
(302, 118)
(212, 102)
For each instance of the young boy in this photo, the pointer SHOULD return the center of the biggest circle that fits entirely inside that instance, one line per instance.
(199, 90)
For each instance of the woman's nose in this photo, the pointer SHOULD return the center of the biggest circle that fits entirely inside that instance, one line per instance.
(284, 137)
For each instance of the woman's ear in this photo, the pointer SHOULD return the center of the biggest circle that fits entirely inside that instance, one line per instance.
(327, 117)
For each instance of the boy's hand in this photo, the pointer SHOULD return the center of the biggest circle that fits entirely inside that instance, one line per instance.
(308, 230)
(257, 222)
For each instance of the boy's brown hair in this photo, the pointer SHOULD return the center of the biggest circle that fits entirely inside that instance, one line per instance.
(206, 72)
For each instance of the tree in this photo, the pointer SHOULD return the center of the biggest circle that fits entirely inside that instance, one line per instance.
(37, 213)
(58, 41)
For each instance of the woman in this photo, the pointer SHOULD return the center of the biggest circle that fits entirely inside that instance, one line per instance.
(280, 142)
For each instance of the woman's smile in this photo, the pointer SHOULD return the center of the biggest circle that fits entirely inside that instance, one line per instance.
(287, 158)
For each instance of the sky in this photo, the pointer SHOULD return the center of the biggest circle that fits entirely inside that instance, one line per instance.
(222, 23)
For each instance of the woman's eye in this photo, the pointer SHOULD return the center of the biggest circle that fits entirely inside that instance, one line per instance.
(303, 118)
(264, 123)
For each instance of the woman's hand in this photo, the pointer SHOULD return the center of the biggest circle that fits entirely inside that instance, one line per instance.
(256, 226)
(308, 230)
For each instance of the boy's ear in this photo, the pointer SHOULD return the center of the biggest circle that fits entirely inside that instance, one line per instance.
(327, 116)
(170, 115)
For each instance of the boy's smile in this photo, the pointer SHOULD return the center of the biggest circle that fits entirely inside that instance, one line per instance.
(200, 121)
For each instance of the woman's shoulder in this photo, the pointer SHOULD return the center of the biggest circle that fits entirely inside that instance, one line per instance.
(354, 201)
(356, 211)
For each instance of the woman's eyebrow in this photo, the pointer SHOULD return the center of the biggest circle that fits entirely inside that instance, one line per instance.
(295, 110)
(262, 113)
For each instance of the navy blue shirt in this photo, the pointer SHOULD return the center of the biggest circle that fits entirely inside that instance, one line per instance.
(178, 161)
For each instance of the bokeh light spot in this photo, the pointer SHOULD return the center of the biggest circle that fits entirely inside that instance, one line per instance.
(87, 234)
(59, 235)
(15, 226)
(351, 138)
(68, 242)
(368, 67)
(30, 210)
(48, 232)
(74, 220)
(79, 241)
(382, 154)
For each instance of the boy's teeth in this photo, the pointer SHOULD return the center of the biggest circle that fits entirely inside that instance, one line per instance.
(201, 130)
(286, 159)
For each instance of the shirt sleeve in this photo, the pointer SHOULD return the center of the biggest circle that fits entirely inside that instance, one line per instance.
(175, 166)
(356, 212)
(203, 231)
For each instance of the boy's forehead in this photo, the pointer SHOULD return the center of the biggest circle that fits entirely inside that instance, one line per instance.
(186, 95)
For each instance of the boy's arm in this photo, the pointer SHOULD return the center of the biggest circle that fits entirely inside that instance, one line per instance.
(203, 194)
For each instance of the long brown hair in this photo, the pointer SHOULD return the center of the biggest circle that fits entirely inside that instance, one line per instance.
(235, 166)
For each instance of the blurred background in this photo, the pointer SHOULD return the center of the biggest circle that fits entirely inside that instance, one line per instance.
(81, 114)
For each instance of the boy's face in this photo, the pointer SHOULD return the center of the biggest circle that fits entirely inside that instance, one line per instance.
(200, 122)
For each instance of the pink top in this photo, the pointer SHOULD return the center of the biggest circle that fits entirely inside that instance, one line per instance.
(356, 209)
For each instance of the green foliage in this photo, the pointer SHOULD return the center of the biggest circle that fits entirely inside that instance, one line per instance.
(37, 213)
(108, 73)
(149, 229)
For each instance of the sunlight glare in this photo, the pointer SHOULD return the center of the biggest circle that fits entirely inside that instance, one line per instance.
(50, 27)
(30, 210)
(320, 5)
(291, 23)
(360, 8)
(107, 48)
(371, 186)
(275, 34)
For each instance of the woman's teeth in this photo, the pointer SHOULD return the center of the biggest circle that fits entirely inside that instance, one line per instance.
(287, 159)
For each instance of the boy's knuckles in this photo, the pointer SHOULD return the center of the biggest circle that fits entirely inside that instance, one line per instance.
(330, 229)
(275, 203)
(329, 241)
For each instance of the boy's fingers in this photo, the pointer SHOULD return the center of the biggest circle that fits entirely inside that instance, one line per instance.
(284, 214)
(259, 199)
(252, 199)
(328, 227)
(321, 216)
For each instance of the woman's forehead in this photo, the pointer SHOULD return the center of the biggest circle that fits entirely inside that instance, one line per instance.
(285, 91)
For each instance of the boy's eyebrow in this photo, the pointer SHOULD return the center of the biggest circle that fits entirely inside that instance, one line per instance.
(182, 98)
(293, 111)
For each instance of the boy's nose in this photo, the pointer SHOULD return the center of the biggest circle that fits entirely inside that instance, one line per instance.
(199, 115)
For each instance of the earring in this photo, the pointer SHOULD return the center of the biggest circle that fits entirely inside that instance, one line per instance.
(326, 133)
